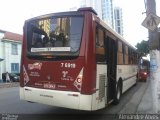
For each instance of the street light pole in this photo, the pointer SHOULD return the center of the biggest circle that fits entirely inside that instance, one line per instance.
(154, 59)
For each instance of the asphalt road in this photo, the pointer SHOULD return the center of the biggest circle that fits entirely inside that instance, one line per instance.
(10, 104)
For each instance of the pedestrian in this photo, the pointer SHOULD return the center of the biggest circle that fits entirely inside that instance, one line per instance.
(7, 77)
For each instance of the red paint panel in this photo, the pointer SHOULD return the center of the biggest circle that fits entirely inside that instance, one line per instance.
(57, 75)
(89, 82)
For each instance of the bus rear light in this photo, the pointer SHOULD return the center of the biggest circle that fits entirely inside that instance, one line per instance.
(145, 73)
(79, 78)
(78, 82)
(25, 75)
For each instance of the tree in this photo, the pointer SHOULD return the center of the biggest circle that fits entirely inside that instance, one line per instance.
(143, 48)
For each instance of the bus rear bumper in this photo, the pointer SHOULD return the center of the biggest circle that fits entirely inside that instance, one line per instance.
(66, 99)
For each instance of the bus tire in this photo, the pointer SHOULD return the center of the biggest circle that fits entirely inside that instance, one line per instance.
(136, 82)
(118, 94)
(137, 79)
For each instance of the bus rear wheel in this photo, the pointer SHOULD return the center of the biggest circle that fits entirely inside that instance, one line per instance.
(118, 94)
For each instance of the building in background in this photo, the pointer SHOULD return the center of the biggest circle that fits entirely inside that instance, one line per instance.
(118, 20)
(10, 52)
(106, 10)
(95, 4)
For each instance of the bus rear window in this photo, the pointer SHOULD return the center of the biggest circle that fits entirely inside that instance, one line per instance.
(53, 35)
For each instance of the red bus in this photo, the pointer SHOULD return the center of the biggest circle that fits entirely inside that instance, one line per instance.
(74, 60)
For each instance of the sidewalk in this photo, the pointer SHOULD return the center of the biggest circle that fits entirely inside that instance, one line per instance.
(7, 85)
(132, 105)
(141, 101)
(146, 104)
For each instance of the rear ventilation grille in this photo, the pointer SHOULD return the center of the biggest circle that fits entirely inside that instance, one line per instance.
(101, 86)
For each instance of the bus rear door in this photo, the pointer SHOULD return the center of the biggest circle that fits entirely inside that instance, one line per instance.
(111, 54)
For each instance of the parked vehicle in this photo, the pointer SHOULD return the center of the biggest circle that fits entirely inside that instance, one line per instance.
(143, 71)
(13, 77)
(143, 74)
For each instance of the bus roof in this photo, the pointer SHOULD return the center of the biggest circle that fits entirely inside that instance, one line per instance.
(115, 33)
(90, 9)
(67, 13)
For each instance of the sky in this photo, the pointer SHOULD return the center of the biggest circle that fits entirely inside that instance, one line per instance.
(13, 13)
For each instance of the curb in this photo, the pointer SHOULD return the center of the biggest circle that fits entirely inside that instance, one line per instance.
(8, 85)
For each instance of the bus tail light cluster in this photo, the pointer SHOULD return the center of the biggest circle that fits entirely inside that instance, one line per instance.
(25, 75)
(79, 78)
(78, 81)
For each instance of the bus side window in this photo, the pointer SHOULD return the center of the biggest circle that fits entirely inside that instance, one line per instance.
(119, 53)
(123, 52)
(130, 56)
(126, 55)
(100, 52)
